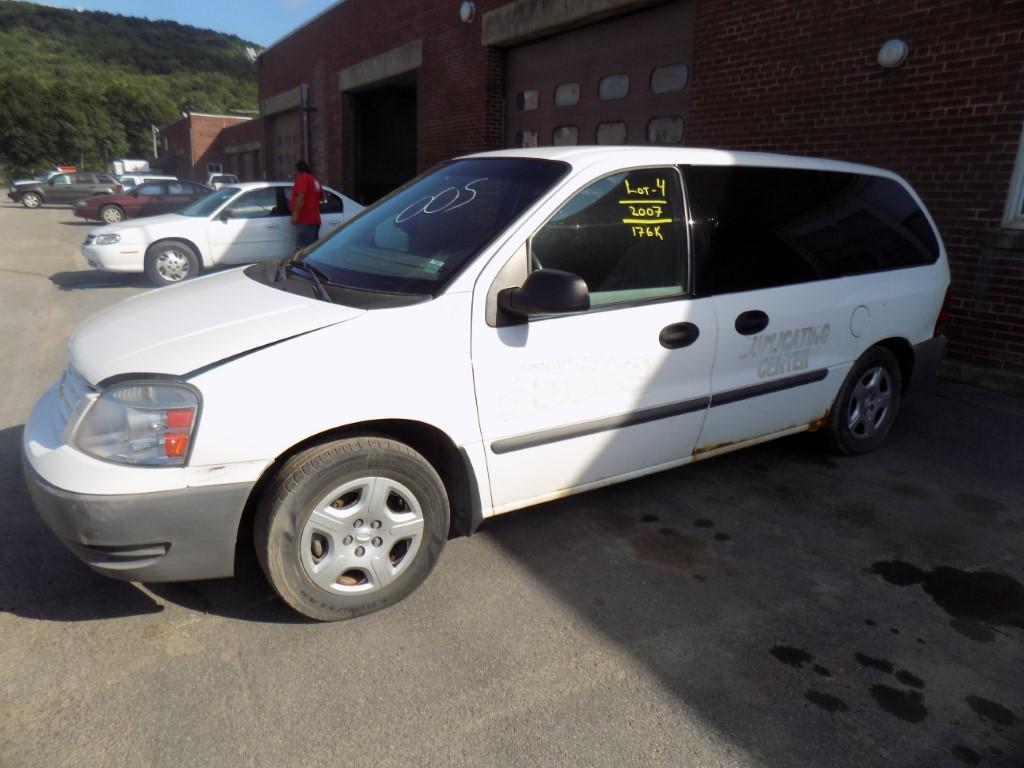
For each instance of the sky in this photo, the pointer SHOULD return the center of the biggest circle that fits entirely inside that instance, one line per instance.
(260, 21)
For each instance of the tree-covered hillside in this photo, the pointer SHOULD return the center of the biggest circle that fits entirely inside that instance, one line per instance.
(84, 87)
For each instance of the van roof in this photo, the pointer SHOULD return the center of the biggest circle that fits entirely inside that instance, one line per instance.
(642, 155)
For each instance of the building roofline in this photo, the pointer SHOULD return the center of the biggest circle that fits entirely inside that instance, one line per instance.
(210, 114)
(301, 27)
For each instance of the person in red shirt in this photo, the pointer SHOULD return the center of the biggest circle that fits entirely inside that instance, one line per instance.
(305, 204)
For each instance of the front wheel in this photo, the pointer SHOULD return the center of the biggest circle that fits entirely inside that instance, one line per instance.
(867, 404)
(351, 526)
(31, 200)
(112, 214)
(171, 261)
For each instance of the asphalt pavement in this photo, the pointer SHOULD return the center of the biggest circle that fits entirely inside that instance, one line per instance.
(776, 607)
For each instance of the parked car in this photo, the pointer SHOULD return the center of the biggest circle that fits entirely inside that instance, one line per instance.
(149, 199)
(235, 225)
(64, 189)
(44, 176)
(218, 180)
(510, 328)
(131, 180)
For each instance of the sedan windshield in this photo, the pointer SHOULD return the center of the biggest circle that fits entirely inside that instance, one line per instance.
(206, 206)
(417, 239)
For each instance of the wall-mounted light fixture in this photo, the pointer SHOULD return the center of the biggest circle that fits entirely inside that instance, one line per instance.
(893, 53)
(467, 11)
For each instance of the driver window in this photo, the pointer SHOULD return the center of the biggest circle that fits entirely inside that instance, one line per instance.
(62, 179)
(257, 204)
(623, 234)
(149, 190)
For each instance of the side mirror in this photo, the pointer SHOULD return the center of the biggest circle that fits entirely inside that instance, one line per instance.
(224, 215)
(546, 292)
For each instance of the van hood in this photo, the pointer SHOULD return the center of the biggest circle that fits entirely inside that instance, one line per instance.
(180, 328)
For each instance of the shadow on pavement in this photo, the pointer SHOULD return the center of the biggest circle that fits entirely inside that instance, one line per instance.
(81, 223)
(746, 585)
(93, 278)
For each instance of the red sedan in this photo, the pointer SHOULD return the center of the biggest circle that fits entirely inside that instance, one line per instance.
(147, 199)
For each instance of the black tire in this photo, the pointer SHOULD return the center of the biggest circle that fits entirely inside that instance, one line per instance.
(31, 199)
(867, 404)
(171, 261)
(112, 214)
(357, 471)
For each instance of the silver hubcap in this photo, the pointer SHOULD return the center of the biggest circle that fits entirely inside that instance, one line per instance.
(31, 201)
(870, 403)
(112, 215)
(172, 265)
(361, 536)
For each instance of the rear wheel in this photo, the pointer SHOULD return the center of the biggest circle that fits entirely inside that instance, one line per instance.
(112, 214)
(31, 200)
(867, 404)
(171, 261)
(350, 527)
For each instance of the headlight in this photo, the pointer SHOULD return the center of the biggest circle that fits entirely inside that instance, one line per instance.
(149, 424)
(106, 239)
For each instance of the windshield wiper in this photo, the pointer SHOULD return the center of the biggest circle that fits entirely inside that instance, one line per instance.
(315, 274)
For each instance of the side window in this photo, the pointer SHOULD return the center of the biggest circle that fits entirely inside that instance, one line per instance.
(766, 227)
(880, 226)
(624, 235)
(331, 203)
(102, 178)
(177, 188)
(763, 227)
(257, 204)
(84, 178)
(150, 190)
(61, 179)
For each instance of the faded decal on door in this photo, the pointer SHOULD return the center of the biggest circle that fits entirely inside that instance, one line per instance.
(545, 385)
(782, 352)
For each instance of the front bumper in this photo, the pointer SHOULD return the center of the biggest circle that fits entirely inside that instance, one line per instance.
(176, 535)
(119, 257)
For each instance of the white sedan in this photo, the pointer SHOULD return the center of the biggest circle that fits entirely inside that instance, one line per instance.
(238, 224)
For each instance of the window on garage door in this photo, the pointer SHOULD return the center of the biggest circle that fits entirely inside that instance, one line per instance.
(623, 234)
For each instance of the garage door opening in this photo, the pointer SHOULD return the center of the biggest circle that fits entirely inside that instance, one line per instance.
(384, 128)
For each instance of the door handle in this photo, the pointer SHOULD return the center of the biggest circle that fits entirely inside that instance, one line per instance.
(273, 226)
(678, 335)
(750, 322)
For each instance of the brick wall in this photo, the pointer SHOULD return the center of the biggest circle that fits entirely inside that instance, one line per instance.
(801, 76)
(206, 140)
(459, 84)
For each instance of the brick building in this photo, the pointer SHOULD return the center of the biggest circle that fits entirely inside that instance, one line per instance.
(373, 92)
(194, 146)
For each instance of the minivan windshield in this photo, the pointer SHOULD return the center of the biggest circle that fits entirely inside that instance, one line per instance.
(417, 239)
(205, 206)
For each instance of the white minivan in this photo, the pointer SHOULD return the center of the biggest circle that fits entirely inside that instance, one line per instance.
(509, 328)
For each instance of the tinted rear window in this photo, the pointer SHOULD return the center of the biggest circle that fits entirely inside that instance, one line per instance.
(766, 227)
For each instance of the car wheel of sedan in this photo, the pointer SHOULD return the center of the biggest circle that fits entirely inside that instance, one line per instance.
(867, 404)
(171, 261)
(112, 214)
(351, 526)
(31, 200)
